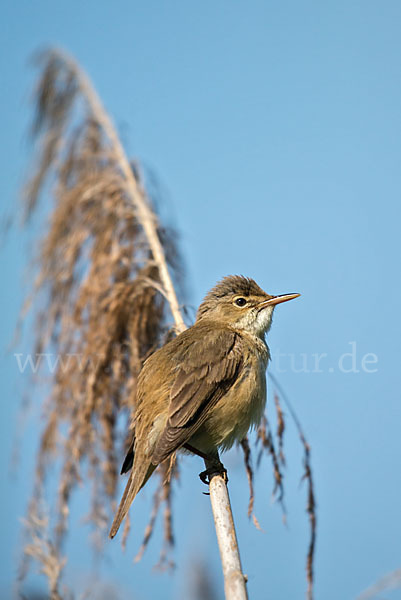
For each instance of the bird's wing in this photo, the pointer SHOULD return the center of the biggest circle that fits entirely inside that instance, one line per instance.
(208, 368)
(129, 457)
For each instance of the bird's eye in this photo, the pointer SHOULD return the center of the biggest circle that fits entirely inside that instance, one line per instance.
(240, 302)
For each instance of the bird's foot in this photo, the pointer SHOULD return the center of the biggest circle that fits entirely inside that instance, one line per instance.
(216, 469)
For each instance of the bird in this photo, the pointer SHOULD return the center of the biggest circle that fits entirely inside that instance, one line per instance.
(206, 388)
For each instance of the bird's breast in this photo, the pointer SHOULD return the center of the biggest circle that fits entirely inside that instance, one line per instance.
(239, 410)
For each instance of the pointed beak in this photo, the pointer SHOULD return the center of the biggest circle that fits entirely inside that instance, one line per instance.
(278, 300)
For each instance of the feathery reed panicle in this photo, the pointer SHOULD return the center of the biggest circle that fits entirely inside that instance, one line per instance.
(307, 476)
(104, 301)
(101, 303)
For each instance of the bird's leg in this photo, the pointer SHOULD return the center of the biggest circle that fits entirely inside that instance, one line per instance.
(212, 463)
(199, 452)
(214, 466)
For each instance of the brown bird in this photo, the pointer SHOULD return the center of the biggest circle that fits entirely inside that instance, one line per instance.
(204, 389)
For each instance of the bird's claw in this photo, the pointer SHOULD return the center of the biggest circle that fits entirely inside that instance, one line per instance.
(217, 469)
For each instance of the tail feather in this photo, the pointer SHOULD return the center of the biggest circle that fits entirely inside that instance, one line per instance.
(137, 480)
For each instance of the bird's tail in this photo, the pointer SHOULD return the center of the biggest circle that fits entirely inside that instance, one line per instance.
(139, 476)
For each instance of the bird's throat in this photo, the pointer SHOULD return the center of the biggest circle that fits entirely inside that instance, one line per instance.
(256, 322)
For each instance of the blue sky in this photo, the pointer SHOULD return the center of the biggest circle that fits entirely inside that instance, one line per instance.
(275, 130)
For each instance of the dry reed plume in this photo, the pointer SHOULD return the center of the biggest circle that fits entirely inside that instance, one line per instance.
(104, 301)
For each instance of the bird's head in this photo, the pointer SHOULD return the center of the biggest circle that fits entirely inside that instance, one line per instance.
(239, 302)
